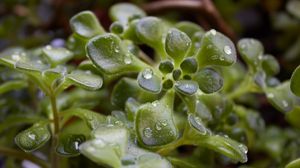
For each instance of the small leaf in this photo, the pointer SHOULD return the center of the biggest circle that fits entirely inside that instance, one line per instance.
(281, 97)
(50, 75)
(149, 81)
(177, 44)
(295, 81)
(76, 44)
(166, 66)
(110, 56)
(31, 67)
(85, 80)
(12, 85)
(295, 163)
(251, 51)
(69, 144)
(11, 56)
(176, 74)
(85, 24)
(216, 49)
(108, 147)
(116, 28)
(131, 107)
(126, 88)
(92, 119)
(150, 31)
(123, 12)
(57, 56)
(209, 80)
(33, 138)
(154, 122)
(189, 28)
(189, 65)
(186, 87)
(293, 117)
(270, 65)
(196, 123)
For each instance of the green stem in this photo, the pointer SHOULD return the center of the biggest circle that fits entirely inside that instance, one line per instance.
(23, 156)
(54, 156)
(170, 147)
(243, 88)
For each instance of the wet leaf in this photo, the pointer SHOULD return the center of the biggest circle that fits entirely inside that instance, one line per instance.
(186, 87)
(216, 49)
(189, 65)
(123, 12)
(295, 82)
(149, 81)
(86, 25)
(69, 144)
(57, 56)
(270, 65)
(295, 163)
(33, 138)
(109, 55)
(209, 80)
(189, 28)
(84, 79)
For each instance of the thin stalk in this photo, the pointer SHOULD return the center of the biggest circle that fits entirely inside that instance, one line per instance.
(23, 156)
(54, 156)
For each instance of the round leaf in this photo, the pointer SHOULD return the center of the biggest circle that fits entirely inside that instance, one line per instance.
(189, 65)
(216, 49)
(209, 80)
(270, 65)
(149, 81)
(85, 24)
(85, 80)
(186, 87)
(189, 28)
(295, 81)
(57, 56)
(123, 12)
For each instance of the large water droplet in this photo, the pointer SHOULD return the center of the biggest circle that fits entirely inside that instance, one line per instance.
(147, 73)
(147, 132)
(127, 60)
(227, 50)
(213, 32)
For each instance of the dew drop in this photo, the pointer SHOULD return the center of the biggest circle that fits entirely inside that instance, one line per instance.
(158, 126)
(154, 103)
(147, 73)
(116, 50)
(214, 57)
(285, 103)
(127, 60)
(164, 123)
(16, 57)
(147, 132)
(243, 148)
(227, 50)
(213, 32)
(48, 47)
(31, 136)
(270, 95)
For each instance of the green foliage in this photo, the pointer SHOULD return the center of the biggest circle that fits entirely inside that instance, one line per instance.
(192, 94)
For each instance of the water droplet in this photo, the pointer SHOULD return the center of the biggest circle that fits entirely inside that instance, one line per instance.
(31, 136)
(48, 47)
(227, 50)
(222, 59)
(158, 126)
(285, 103)
(16, 57)
(117, 50)
(243, 148)
(154, 103)
(147, 73)
(127, 60)
(164, 123)
(147, 132)
(213, 32)
(76, 145)
(270, 95)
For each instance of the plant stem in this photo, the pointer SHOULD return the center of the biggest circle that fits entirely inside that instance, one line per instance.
(24, 156)
(54, 156)
(168, 148)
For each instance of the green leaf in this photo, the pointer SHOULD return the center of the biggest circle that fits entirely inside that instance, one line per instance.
(295, 81)
(189, 65)
(209, 80)
(225, 146)
(216, 49)
(270, 65)
(189, 28)
(31, 67)
(84, 79)
(154, 122)
(186, 87)
(123, 12)
(50, 75)
(150, 31)
(92, 119)
(11, 56)
(293, 7)
(152, 160)
(33, 138)
(131, 107)
(176, 74)
(177, 44)
(293, 116)
(166, 66)
(57, 56)
(126, 88)
(76, 44)
(196, 123)
(281, 97)
(108, 147)
(295, 163)
(69, 144)
(12, 85)
(251, 51)
(116, 28)
(109, 54)
(86, 25)
(149, 81)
